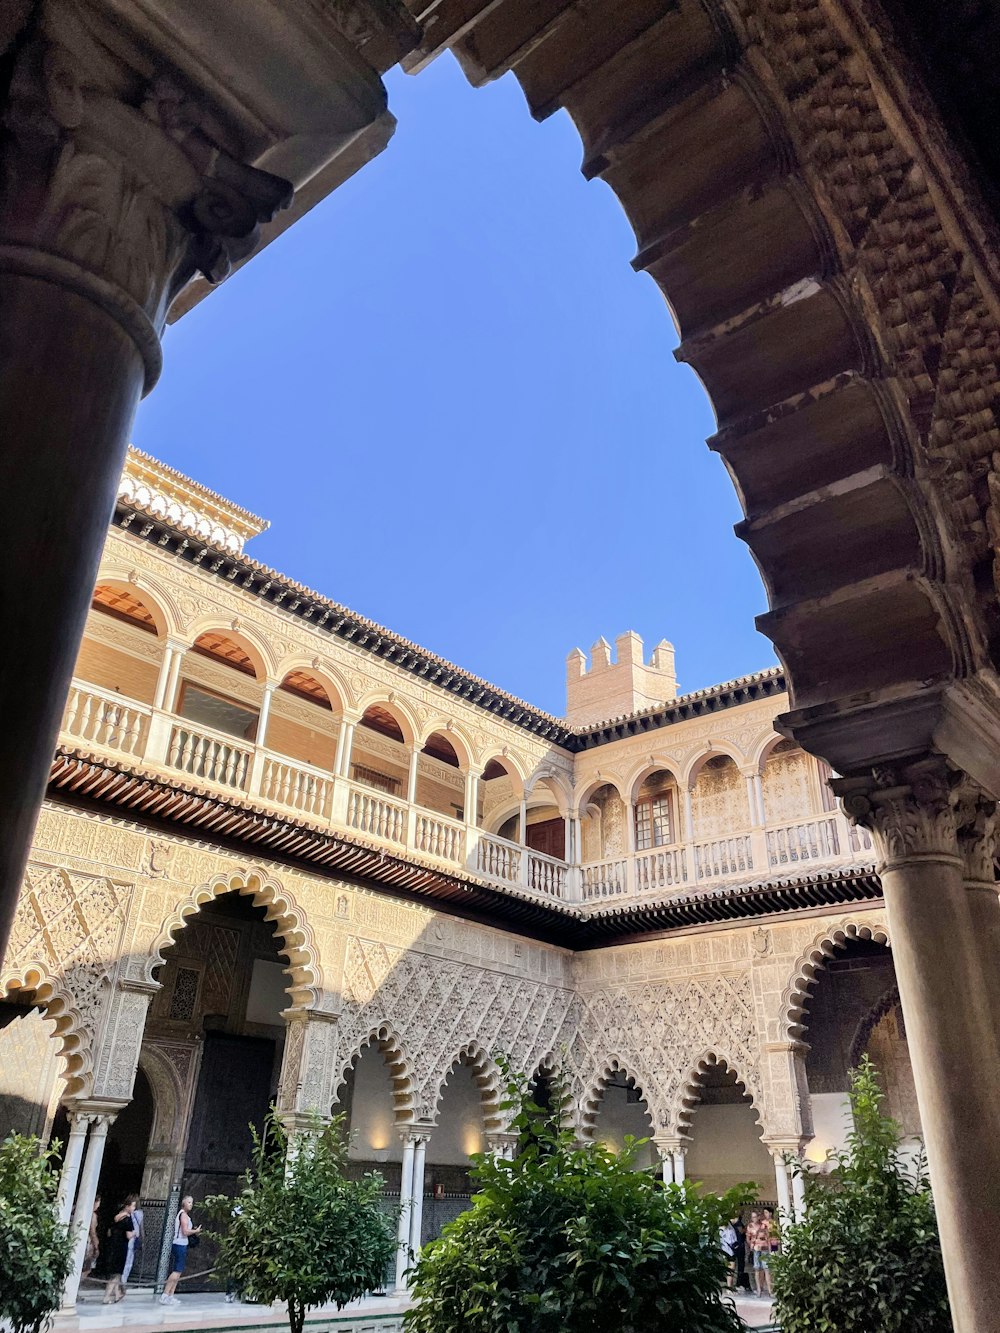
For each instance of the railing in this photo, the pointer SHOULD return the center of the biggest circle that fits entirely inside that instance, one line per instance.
(547, 875)
(103, 718)
(861, 840)
(285, 782)
(437, 835)
(659, 869)
(368, 811)
(806, 840)
(496, 858)
(604, 879)
(723, 857)
(210, 755)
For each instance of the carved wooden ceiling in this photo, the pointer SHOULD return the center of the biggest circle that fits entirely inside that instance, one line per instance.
(124, 605)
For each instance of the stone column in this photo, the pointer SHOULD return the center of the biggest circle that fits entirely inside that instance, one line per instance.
(110, 200)
(166, 663)
(978, 844)
(666, 1149)
(100, 1124)
(688, 816)
(417, 1208)
(70, 1174)
(257, 764)
(679, 1165)
(798, 1195)
(942, 968)
(781, 1182)
(405, 1210)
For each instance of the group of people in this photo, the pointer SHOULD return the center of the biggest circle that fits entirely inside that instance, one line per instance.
(748, 1250)
(125, 1239)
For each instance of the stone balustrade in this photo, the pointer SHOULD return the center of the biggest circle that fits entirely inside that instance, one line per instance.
(103, 721)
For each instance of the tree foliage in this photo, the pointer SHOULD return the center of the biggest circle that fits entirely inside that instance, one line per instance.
(563, 1239)
(866, 1258)
(35, 1249)
(298, 1230)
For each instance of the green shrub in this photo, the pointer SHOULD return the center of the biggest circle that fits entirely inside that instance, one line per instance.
(35, 1249)
(866, 1257)
(563, 1239)
(299, 1230)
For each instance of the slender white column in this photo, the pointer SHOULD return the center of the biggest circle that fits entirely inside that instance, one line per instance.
(758, 785)
(170, 696)
(678, 1166)
(417, 1210)
(522, 824)
(405, 1209)
(781, 1181)
(472, 798)
(798, 1195)
(84, 1209)
(666, 1162)
(70, 1173)
(345, 748)
(752, 799)
(411, 780)
(166, 665)
(265, 712)
(688, 816)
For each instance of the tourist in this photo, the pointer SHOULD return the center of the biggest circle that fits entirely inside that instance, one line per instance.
(93, 1242)
(123, 1232)
(742, 1276)
(183, 1232)
(135, 1244)
(759, 1241)
(729, 1239)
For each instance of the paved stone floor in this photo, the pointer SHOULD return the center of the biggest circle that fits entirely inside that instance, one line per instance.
(141, 1311)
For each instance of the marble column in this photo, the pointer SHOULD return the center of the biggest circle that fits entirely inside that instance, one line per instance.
(70, 1174)
(679, 1166)
(417, 1209)
(978, 840)
(942, 966)
(781, 1183)
(405, 1211)
(109, 202)
(100, 1124)
(798, 1195)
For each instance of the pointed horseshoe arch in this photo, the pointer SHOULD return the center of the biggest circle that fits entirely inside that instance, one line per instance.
(75, 1034)
(689, 1095)
(306, 977)
(797, 992)
(486, 1076)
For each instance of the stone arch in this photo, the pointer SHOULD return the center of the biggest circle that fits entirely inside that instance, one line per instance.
(454, 735)
(304, 970)
(154, 596)
(646, 768)
(168, 1097)
(763, 747)
(559, 788)
(584, 790)
(401, 712)
(715, 750)
(795, 997)
(487, 1078)
(249, 638)
(328, 677)
(514, 767)
(688, 1094)
(74, 1032)
(593, 1092)
(384, 1038)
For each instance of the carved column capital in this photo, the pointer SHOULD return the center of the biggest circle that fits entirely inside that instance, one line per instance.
(978, 835)
(910, 809)
(115, 183)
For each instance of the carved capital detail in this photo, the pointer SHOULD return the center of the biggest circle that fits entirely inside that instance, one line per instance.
(115, 183)
(910, 811)
(978, 835)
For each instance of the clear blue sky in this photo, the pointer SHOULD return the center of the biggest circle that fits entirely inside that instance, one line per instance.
(459, 408)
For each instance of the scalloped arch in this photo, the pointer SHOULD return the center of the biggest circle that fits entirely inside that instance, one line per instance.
(688, 1095)
(487, 1078)
(885, 1004)
(267, 892)
(75, 1038)
(593, 1094)
(796, 994)
(384, 1038)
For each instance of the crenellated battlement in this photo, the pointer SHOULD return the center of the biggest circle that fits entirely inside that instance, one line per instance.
(614, 688)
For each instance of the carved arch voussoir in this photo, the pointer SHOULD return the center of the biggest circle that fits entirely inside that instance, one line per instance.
(294, 931)
(384, 1038)
(797, 993)
(71, 1028)
(487, 1078)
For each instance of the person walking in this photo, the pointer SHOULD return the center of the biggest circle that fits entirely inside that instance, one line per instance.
(183, 1232)
(123, 1232)
(729, 1239)
(759, 1241)
(135, 1244)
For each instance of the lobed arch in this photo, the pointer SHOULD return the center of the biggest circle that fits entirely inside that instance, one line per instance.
(248, 637)
(304, 970)
(715, 750)
(593, 1093)
(400, 711)
(453, 734)
(384, 1038)
(796, 994)
(74, 1031)
(688, 1096)
(487, 1078)
(153, 594)
(885, 1004)
(331, 680)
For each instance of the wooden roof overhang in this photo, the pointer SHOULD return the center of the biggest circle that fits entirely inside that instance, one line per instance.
(98, 783)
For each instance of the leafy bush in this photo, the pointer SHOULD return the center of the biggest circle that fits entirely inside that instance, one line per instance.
(299, 1230)
(563, 1239)
(35, 1249)
(866, 1257)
